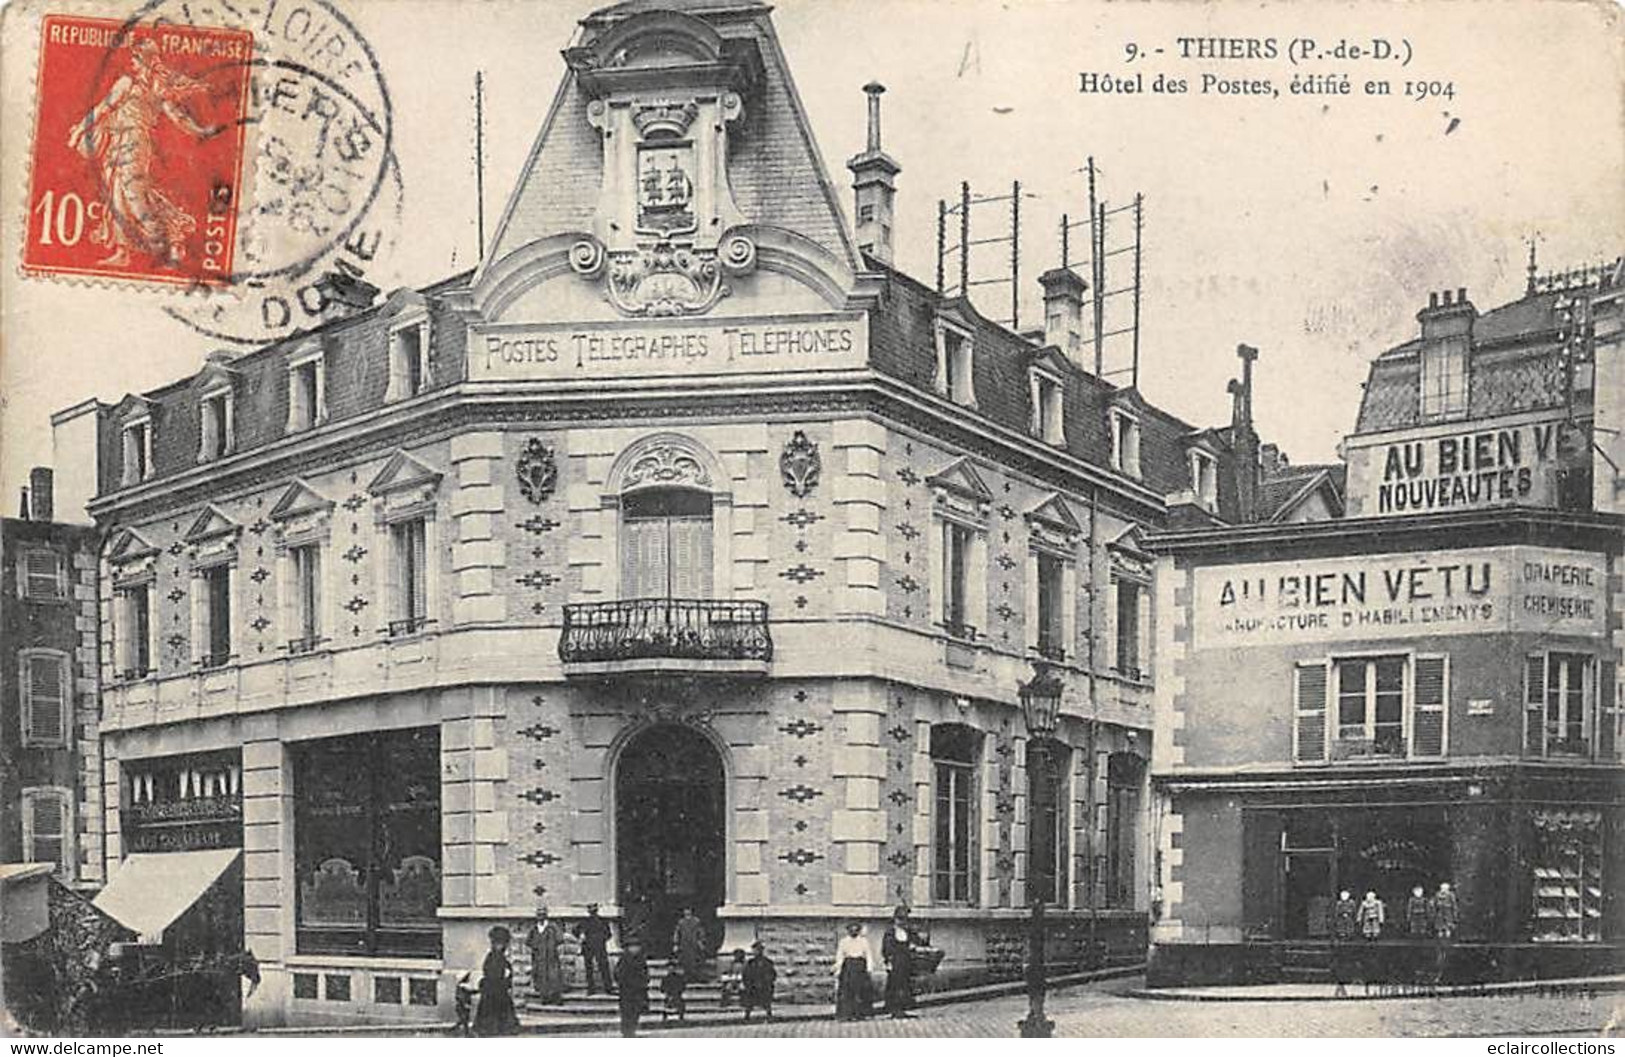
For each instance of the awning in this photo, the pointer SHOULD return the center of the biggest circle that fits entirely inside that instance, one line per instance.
(149, 891)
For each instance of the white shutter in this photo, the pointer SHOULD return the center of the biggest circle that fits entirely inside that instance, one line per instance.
(1112, 659)
(1309, 713)
(1142, 631)
(45, 689)
(1432, 699)
(690, 557)
(643, 566)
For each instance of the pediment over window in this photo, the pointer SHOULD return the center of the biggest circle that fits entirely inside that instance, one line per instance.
(1054, 515)
(666, 460)
(215, 374)
(654, 48)
(211, 524)
(130, 546)
(301, 511)
(403, 303)
(1128, 555)
(132, 408)
(1129, 400)
(1049, 360)
(403, 471)
(960, 478)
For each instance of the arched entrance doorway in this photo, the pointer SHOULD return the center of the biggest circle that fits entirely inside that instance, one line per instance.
(670, 832)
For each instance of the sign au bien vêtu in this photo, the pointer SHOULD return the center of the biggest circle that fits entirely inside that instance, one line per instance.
(1512, 465)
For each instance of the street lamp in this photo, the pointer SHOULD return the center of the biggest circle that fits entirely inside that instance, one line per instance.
(1041, 706)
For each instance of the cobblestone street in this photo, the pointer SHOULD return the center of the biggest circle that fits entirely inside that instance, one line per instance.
(1108, 1012)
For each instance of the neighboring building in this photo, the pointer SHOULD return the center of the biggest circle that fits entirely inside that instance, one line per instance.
(1425, 692)
(50, 762)
(683, 553)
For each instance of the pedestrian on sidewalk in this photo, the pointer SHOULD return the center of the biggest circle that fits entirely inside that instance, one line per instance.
(897, 951)
(1372, 915)
(496, 1015)
(463, 1003)
(733, 980)
(1345, 917)
(632, 975)
(594, 936)
(760, 976)
(688, 944)
(546, 969)
(854, 969)
(1419, 914)
(1446, 912)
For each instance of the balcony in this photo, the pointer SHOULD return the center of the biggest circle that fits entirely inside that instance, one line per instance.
(666, 635)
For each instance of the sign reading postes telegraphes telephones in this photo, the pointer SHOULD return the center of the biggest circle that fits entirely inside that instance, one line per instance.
(1402, 596)
(1519, 464)
(666, 348)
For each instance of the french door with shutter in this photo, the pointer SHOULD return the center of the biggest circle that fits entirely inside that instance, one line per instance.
(666, 544)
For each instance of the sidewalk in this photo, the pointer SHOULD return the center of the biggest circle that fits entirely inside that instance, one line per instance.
(1359, 992)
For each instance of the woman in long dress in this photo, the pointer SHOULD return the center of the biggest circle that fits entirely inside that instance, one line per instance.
(854, 964)
(496, 1015)
(546, 968)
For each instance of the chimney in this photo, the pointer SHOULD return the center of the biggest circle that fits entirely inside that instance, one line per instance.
(1272, 460)
(41, 494)
(1449, 314)
(874, 188)
(1243, 438)
(1063, 311)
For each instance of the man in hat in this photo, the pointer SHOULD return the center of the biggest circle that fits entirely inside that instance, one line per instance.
(632, 974)
(546, 971)
(760, 974)
(594, 936)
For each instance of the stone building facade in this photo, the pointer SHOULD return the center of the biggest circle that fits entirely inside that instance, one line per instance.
(684, 553)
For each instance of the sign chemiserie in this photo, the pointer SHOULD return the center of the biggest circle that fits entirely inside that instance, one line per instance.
(1402, 596)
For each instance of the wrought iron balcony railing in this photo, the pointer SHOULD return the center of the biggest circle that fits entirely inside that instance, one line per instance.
(665, 629)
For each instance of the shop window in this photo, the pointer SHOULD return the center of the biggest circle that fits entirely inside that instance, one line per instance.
(1048, 764)
(136, 451)
(214, 612)
(215, 425)
(132, 631)
(410, 560)
(1444, 380)
(47, 822)
(1559, 696)
(1567, 877)
(1370, 707)
(367, 844)
(305, 564)
(1125, 773)
(666, 544)
(955, 750)
(42, 575)
(46, 689)
(182, 803)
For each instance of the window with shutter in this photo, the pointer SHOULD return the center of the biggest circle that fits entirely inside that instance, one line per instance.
(411, 554)
(1567, 689)
(45, 826)
(43, 577)
(1432, 698)
(1534, 705)
(45, 688)
(1309, 713)
(666, 546)
(216, 616)
(1608, 712)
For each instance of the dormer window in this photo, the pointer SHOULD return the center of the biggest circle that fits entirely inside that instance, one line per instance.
(307, 391)
(215, 425)
(955, 364)
(408, 358)
(1048, 395)
(1443, 384)
(1125, 431)
(137, 451)
(1205, 478)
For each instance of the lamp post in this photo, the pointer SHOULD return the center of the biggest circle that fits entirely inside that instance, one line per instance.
(1040, 706)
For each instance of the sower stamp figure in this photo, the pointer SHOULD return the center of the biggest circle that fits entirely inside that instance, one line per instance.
(594, 936)
(546, 971)
(760, 975)
(897, 951)
(632, 975)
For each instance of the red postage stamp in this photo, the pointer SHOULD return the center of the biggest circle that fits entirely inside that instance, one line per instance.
(138, 150)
